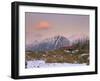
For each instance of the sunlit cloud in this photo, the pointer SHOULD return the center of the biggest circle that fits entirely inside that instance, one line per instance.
(42, 25)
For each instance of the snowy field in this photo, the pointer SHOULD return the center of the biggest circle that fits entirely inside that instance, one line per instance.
(42, 64)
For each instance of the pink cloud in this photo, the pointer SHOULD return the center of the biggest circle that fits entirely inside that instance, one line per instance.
(43, 25)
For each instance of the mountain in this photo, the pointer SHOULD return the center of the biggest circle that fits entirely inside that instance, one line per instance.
(53, 43)
(78, 37)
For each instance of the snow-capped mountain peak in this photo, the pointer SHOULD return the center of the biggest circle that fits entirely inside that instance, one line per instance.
(50, 44)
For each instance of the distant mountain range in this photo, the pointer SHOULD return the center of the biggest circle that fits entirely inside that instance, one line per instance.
(52, 43)
(78, 37)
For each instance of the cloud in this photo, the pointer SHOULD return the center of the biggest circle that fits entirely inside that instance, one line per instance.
(42, 25)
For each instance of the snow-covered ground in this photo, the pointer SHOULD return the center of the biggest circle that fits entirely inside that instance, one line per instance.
(42, 64)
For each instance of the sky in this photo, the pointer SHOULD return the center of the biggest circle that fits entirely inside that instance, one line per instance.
(40, 26)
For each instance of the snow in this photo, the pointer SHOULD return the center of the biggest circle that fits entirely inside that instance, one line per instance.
(42, 64)
(83, 54)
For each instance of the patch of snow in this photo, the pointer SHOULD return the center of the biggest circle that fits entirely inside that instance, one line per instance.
(67, 51)
(83, 54)
(42, 64)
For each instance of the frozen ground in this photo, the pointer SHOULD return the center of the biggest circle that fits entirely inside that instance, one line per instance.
(42, 64)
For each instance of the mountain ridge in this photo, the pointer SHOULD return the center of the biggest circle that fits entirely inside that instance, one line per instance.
(49, 44)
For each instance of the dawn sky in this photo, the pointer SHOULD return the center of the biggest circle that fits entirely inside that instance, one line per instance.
(45, 25)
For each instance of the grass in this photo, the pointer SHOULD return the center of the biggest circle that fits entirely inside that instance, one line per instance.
(58, 56)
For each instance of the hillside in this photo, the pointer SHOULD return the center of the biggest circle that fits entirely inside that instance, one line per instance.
(77, 53)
